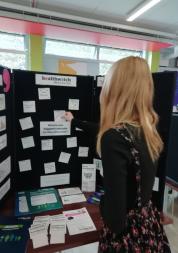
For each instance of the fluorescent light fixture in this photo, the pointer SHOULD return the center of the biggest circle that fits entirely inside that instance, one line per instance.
(141, 9)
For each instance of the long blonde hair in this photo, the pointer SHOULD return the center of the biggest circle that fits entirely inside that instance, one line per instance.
(127, 98)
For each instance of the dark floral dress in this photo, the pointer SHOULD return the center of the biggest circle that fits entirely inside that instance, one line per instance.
(144, 233)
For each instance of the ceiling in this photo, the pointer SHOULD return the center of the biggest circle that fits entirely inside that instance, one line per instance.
(161, 21)
(162, 17)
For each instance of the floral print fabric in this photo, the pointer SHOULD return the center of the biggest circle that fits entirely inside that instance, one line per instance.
(144, 233)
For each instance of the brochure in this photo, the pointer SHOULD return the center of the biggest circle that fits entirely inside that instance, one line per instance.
(36, 201)
(13, 234)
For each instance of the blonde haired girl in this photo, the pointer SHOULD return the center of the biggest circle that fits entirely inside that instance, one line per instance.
(129, 145)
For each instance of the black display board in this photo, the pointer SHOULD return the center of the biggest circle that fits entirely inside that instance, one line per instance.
(97, 89)
(6, 140)
(163, 102)
(26, 89)
(172, 160)
(172, 171)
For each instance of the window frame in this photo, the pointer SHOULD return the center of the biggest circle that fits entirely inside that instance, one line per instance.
(20, 52)
(98, 47)
(70, 42)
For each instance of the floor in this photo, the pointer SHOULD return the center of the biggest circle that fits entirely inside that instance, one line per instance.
(171, 230)
(172, 234)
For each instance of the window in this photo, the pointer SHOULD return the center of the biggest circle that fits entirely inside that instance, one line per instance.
(114, 54)
(70, 49)
(12, 51)
(109, 55)
(104, 67)
(100, 55)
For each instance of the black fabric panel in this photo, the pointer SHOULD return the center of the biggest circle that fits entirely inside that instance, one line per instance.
(26, 89)
(163, 103)
(8, 150)
(172, 170)
(96, 111)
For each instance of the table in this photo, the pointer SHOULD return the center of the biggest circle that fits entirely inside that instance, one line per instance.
(71, 241)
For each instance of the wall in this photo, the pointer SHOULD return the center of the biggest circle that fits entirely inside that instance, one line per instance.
(168, 59)
(51, 64)
(35, 55)
(38, 61)
(155, 61)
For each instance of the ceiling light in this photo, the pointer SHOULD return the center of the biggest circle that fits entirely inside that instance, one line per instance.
(141, 9)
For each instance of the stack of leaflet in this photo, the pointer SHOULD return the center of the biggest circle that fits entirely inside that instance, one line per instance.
(40, 227)
(71, 195)
(79, 221)
(13, 234)
(95, 197)
(57, 229)
(36, 201)
(39, 231)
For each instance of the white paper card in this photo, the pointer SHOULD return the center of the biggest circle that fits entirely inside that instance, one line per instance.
(89, 172)
(49, 167)
(2, 123)
(43, 199)
(88, 177)
(3, 141)
(73, 104)
(156, 184)
(44, 93)
(57, 237)
(71, 142)
(4, 189)
(40, 240)
(25, 165)
(100, 81)
(83, 151)
(50, 128)
(59, 116)
(29, 106)
(78, 129)
(37, 230)
(58, 218)
(26, 123)
(23, 206)
(88, 186)
(28, 142)
(64, 157)
(75, 198)
(99, 166)
(44, 218)
(56, 80)
(69, 191)
(47, 144)
(1, 82)
(79, 221)
(5, 168)
(57, 179)
(2, 102)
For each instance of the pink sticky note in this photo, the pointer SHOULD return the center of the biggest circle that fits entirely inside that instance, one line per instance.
(6, 80)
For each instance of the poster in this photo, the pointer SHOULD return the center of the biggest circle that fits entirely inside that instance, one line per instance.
(5, 168)
(72, 67)
(2, 123)
(3, 141)
(2, 102)
(50, 128)
(57, 179)
(56, 80)
(175, 103)
(88, 177)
